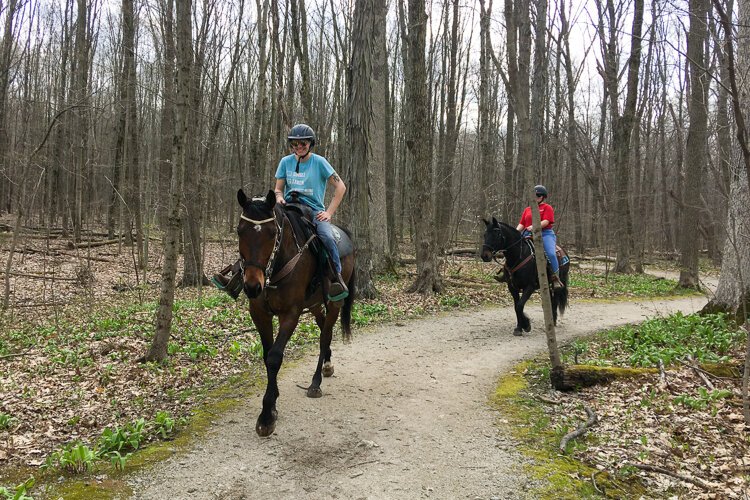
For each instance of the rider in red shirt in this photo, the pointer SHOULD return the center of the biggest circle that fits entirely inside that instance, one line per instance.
(549, 239)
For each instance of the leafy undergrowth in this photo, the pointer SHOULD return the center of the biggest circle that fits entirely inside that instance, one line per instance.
(79, 320)
(682, 423)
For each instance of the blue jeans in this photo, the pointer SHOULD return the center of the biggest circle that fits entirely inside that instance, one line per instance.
(325, 233)
(549, 240)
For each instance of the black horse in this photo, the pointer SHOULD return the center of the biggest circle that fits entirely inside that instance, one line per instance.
(283, 277)
(520, 270)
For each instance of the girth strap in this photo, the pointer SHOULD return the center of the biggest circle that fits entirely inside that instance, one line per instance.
(519, 266)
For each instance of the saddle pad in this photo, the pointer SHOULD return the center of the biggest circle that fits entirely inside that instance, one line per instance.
(343, 242)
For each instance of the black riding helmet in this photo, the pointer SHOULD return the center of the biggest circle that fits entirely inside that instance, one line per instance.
(302, 131)
(540, 190)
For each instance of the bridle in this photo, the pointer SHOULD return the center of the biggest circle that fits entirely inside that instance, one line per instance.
(267, 270)
(499, 251)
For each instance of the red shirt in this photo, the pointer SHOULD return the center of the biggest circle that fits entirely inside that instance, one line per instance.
(546, 211)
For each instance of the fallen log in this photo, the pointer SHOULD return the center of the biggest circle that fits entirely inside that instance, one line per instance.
(49, 277)
(573, 377)
(93, 244)
(462, 251)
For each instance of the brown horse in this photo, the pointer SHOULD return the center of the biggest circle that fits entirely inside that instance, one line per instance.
(282, 277)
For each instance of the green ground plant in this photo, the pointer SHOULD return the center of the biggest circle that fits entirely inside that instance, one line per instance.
(19, 491)
(707, 338)
(7, 421)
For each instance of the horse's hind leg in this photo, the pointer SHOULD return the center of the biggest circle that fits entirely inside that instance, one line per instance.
(327, 365)
(324, 367)
(523, 320)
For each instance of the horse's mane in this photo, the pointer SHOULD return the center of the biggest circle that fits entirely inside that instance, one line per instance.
(511, 228)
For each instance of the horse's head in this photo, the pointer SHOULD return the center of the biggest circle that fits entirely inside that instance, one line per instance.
(259, 234)
(495, 239)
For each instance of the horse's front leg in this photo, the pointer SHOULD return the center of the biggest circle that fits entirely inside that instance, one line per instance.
(325, 323)
(516, 294)
(523, 321)
(263, 322)
(266, 423)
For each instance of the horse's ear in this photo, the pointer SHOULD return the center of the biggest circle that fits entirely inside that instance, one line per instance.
(495, 222)
(241, 198)
(486, 222)
(271, 198)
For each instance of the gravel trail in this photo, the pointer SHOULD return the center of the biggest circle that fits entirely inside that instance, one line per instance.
(405, 415)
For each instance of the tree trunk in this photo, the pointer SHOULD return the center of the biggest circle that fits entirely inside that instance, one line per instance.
(696, 153)
(167, 118)
(419, 155)
(81, 122)
(485, 104)
(158, 349)
(447, 157)
(358, 127)
(6, 59)
(377, 165)
(571, 139)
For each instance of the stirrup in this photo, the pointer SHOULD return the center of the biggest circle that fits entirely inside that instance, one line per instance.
(337, 291)
(231, 286)
(557, 283)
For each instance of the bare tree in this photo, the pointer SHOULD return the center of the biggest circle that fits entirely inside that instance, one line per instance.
(696, 157)
(622, 123)
(485, 103)
(447, 156)
(379, 136)
(184, 44)
(421, 199)
(80, 131)
(358, 126)
(572, 146)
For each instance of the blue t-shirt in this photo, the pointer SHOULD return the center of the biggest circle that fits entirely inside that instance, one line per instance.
(311, 180)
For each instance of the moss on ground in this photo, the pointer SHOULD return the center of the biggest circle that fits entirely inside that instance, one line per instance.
(555, 476)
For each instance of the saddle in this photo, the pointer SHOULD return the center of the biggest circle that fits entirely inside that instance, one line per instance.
(504, 273)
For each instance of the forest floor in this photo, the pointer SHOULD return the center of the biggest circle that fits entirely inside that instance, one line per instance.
(405, 415)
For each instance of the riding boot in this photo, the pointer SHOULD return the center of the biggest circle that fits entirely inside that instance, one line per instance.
(231, 285)
(557, 284)
(338, 289)
(501, 276)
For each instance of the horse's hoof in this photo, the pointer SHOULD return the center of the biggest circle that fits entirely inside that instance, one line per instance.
(314, 392)
(265, 429)
(527, 329)
(517, 332)
(327, 370)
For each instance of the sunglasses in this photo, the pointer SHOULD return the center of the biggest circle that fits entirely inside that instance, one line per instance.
(296, 144)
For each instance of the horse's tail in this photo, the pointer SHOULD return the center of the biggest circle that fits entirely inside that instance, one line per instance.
(346, 311)
(561, 294)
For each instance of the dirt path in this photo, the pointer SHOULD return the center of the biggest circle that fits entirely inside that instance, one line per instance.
(405, 416)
